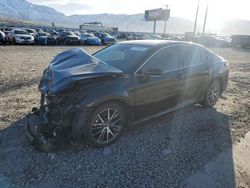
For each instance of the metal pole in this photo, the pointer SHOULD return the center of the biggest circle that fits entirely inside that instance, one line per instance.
(205, 21)
(165, 23)
(165, 27)
(154, 26)
(196, 17)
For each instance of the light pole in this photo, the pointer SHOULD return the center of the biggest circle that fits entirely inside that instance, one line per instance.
(154, 26)
(165, 22)
(205, 21)
(196, 17)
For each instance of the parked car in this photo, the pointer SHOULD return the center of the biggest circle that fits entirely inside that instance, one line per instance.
(153, 37)
(70, 38)
(89, 39)
(126, 83)
(123, 35)
(6, 32)
(39, 30)
(41, 38)
(77, 33)
(19, 36)
(60, 37)
(44, 38)
(32, 32)
(106, 38)
(135, 37)
(52, 39)
(241, 41)
(212, 41)
(2, 37)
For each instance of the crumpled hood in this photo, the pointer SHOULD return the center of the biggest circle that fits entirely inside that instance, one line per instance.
(71, 66)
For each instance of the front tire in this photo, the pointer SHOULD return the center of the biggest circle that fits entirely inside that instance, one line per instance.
(105, 124)
(213, 93)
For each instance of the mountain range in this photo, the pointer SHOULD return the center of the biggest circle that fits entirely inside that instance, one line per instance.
(26, 11)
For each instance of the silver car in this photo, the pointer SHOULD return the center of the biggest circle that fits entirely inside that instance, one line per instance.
(18, 36)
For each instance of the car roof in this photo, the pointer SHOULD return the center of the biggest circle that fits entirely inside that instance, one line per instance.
(19, 30)
(30, 29)
(155, 42)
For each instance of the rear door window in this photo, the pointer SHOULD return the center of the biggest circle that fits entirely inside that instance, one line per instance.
(208, 56)
(190, 55)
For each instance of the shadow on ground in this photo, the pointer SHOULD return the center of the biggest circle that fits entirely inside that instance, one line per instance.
(160, 153)
(12, 86)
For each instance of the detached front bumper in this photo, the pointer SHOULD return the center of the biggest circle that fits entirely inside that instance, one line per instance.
(51, 126)
(33, 127)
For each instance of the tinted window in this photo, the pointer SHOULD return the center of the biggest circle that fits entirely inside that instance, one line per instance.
(165, 60)
(42, 34)
(191, 55)
(208, 56)
(31, 30)
(105, 35)
(123, 56)
(69, 33)
(21, 32)
(86, 35)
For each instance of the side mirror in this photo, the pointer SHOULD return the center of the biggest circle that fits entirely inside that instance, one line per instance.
(153, 72)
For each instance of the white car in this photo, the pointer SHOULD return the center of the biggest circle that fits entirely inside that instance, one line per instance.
(18, 36)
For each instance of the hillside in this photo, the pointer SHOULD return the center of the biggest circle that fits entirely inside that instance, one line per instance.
(25, 11)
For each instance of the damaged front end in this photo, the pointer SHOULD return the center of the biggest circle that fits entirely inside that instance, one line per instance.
(49, 126)
(61, 87)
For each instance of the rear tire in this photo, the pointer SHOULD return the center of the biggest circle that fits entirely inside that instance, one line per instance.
(213, 93)
(105, 124)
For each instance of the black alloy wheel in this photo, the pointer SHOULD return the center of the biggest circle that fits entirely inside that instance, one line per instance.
(105, 124)
(213, 93)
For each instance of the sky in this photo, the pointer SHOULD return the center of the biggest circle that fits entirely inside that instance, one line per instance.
(219, 10)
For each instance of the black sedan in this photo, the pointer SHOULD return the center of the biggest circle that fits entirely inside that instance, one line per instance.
(70, 38)
(97, 96)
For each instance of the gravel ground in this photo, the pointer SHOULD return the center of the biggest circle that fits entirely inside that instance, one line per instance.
(159, 153)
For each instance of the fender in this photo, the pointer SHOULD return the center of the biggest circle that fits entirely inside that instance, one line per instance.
(79, 120)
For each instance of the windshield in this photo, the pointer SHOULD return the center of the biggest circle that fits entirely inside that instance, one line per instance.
(123, 56)
(105, 35)
(86, 35)
(31, 30)
(21, 32)
(69, 33)
(42, 34)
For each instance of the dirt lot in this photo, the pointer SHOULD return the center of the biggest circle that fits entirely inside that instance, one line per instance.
(160, 152)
